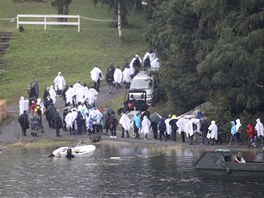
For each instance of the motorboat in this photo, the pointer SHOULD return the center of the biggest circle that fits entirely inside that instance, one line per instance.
(77, 151)
(220, 164)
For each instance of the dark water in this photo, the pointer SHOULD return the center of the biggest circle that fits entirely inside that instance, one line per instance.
(138, 173)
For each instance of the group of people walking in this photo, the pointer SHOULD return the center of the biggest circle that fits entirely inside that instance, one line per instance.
(81, 117)
(115, 76)
(80, 114)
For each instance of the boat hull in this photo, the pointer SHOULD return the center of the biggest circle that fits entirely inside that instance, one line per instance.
(219, 165)
(78, 151)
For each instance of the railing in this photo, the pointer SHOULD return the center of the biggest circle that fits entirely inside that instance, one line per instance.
(47, 20)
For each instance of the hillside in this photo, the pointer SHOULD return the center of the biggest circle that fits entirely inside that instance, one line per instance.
(40, 54)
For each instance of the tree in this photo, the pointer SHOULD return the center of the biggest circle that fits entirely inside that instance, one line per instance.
(172, 31)
(120, 8)
(62, 8)
(208, 47)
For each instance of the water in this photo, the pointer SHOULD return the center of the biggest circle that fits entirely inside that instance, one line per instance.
(137, 173)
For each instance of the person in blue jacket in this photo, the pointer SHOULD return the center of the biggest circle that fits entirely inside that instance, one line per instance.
(233, 133)
(136, 124)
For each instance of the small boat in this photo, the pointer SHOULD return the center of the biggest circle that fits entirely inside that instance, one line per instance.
(220, 164)
(77, 151)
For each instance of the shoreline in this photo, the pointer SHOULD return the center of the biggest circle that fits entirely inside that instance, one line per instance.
(11, 135)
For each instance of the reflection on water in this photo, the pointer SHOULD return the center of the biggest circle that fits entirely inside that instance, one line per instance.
(132, 172)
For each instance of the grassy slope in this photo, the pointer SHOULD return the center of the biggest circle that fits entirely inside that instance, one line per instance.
(39, 54)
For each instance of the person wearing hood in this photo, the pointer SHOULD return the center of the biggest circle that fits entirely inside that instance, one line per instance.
(146, 62)
(47, 102)
(57, 123)
(113, 125)
(23, 105)
(59, 83)
(168, 127)
(212, 132)
(181, 124)
(52, 94)
(204, 129)
(127, 77)
(174, 127)
(238, 130)
(136, 125)
(190, 131)
(117, 77)
(162, 128)
(79, 122)
(69, 95)
(259, 129)
(24, 122)
(70, 120)
(109, 79)
(45, 94)
(96, 76)
(251, 135)
(233, 134)
(136, 63)
(92, 96)
(145, 127)
(125, 123)
(50, 115)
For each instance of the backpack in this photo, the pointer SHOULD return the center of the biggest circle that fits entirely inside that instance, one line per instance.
(162, 125)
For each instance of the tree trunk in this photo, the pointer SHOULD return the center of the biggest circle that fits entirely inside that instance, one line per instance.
(119, 21)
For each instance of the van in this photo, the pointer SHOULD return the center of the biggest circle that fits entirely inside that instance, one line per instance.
(142, 82)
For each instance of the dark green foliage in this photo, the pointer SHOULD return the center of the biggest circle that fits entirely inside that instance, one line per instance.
(159, 94)
(220, 112)
(208, 48)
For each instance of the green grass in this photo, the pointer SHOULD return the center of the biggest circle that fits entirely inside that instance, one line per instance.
(40, 54)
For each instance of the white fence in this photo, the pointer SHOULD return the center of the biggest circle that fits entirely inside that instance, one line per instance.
(48, 20)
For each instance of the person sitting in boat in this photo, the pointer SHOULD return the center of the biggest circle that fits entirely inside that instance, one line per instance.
(69, 153)
(239, 158)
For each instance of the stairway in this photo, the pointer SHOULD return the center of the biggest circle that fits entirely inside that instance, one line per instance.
(4, 44)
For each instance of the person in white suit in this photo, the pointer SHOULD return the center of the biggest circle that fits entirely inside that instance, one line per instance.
(212, 132)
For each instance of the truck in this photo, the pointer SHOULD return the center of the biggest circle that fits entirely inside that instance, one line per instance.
(142, 82)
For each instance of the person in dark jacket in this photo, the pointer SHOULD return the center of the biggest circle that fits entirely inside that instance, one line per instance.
(113, 126)
(162, 128)
(204, 129)
(174, 127)
(110, 79)
(79, 122)
(24, 122)
(50, 115)
(57, 123)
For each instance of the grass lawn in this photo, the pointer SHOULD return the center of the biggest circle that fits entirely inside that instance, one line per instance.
(40, 54)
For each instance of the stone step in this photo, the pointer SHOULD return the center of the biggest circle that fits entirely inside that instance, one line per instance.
(5, 36)
(6, 33)
(3, 48)
(4, 44)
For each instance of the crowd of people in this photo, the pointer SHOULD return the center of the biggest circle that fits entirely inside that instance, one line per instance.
(81, 115)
